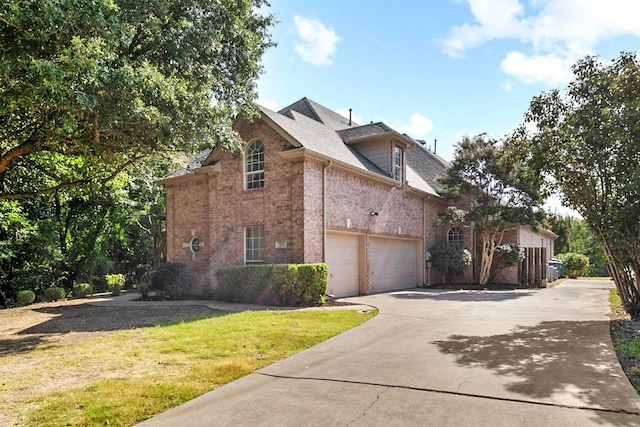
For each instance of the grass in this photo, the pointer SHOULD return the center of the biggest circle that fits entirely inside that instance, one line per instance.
(145, 371)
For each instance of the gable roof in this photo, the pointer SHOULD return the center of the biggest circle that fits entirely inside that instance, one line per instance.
(325, 134)
(318, 138)
(319, 113)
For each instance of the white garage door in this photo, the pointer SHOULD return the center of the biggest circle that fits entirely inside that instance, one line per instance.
(343, 259)
(393, 264)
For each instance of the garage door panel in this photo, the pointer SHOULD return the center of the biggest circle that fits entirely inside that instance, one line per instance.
(393, 265)
(343, 259)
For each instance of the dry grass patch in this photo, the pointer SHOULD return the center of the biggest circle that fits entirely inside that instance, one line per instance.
(123, 377)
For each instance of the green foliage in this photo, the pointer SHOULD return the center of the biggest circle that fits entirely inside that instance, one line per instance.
(91, 86)
(495, 188)
(574, 265)
(506, 255)
(25, 297)
(629, 347)
(115, 283)
(574, 235)
(511, 253)
(586, 142)
(273, 284)
(82, 290)
(168, 280)
(450, 258)
(55, 293)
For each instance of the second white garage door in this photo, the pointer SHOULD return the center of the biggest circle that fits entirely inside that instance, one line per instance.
(393, 264)
(343, 259)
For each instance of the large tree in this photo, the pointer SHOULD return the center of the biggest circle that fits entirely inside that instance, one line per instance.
(588, 142)
(89, 86)
(494, 189)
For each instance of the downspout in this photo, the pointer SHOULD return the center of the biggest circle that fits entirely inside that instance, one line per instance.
(424, 244)
(324, 210)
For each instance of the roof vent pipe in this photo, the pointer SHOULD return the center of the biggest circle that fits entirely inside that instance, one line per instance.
(435, 145)
(350, 109)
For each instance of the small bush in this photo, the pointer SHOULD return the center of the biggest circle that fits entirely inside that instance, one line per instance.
(82, 290)
(143, 288)
(168, 280)
(25, 298)
(450, 258)
(574, 264)
(273, 284)
(54, 293)
(115, 283)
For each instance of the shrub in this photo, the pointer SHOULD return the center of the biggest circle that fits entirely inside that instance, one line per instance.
(168, 280)
(506, 255)
(25, 298)
(574, 264)
(273, 284)
(143, 288)
(82, 290)
(450, 258)
(54, 293)
(115, 283)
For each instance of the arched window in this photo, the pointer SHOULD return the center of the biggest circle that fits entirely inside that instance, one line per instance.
(455, 235)
(254, 165)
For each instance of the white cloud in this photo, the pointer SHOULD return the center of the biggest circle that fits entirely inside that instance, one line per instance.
(558, 32)
(418, 126)
(316, 43)
(550, 68)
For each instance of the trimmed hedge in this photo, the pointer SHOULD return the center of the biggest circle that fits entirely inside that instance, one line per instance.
(54, 294)
(287, 285)
(25, 298)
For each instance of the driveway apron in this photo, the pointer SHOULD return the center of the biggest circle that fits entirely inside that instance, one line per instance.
(535, 357)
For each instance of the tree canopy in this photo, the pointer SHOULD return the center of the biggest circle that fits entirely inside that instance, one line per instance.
(587, 141)
(88, 87)
(495, 190)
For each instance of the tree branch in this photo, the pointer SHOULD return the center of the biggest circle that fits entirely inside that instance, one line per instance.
(16, 152)
(71, 184)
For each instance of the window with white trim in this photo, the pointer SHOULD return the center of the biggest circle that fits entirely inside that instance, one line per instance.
(254, 244)
(254, 165)
(397, 163)
(455, 235)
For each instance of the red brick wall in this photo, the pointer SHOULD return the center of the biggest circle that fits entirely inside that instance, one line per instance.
(290, 206)
(219, 208)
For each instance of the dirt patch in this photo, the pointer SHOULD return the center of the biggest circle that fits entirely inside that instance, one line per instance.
(61, 323)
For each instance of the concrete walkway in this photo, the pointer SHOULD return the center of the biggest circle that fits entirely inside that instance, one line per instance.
(540, 357)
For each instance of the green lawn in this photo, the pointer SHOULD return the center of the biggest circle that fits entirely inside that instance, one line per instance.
(128, 376)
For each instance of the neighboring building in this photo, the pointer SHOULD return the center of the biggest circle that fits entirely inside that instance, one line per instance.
(311, 186)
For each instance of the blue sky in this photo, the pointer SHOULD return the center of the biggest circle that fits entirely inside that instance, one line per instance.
(437, 69)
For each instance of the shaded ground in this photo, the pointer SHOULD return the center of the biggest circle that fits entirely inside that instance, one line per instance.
(622, 327)
(60, 323)
(48, 325)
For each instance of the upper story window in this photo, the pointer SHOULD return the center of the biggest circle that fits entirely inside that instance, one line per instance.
(397, 163)
(455, 235)
(254, 165)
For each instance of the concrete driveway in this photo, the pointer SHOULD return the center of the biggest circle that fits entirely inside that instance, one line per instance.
(540, 357)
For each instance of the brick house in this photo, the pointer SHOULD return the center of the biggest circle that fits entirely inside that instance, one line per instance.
(311, 186)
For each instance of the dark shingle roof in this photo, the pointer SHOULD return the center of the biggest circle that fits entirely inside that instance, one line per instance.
(355, 133)
(319, 113)
(194, 163)
(428, 165)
